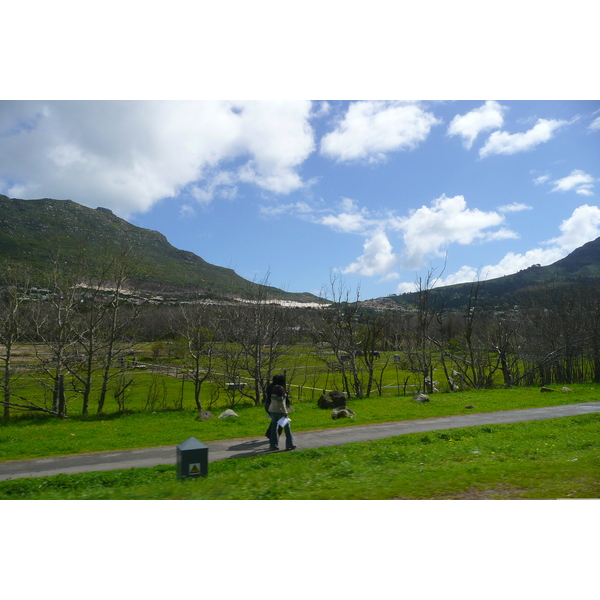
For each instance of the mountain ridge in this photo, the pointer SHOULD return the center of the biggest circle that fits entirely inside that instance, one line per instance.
(32, 231)
(581, 264)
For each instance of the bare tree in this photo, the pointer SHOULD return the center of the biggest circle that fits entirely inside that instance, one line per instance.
(371, 334)
(195, 323)
(506, 342)
(589, 295)
(559, 325)
(13, 301)
(121, 263)
(338, 331)
(54, 325)
(259, 327)
(471, 348)
(420, 346)
(93, 311)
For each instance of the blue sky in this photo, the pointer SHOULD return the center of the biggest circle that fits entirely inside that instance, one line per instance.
(377, 192)
(148, 115)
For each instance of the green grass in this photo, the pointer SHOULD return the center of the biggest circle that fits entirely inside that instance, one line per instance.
(42, 436)
(557, 458)
(307, 376)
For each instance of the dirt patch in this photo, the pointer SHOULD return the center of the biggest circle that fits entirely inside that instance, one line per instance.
(498, 492)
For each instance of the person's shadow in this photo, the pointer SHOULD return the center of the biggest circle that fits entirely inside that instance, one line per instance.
(251, 448)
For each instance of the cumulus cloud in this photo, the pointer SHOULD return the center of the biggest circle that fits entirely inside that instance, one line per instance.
(577, 180)
(370, 129)
(429, 229)
(128, 155)
(425, 233)
(502, 142)
(378, 257)
(581, 227)
(350, 219)
(470, 125)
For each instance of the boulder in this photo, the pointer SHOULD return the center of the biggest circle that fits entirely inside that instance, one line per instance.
(333, 399)
(228, 413)
(546, 389)
(341, 412)
(566, 389)
(453, 387)
(421, 398)
(204, 415)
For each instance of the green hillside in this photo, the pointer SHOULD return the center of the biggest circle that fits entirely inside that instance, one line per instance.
(35, 231)
(581, 265)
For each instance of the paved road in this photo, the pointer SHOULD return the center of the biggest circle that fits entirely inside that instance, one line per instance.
(166, 455)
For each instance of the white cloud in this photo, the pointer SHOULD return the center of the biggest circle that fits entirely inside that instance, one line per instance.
(429, 229)
(511, 263)
(377, 258)
(218, 185)
(351, 219)
(279, 137)
(299, 209)
(541, 179)
(128, 155)
(501, 142)
(500, 234)
(321, 109)
(426, 232)
(514, 207)
(186, 210)
(469, 126)
(581, 227)
(371, 129)
(577, 180)
(595, 124)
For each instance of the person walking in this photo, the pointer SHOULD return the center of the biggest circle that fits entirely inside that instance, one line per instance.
(277, 380)
(278, 410)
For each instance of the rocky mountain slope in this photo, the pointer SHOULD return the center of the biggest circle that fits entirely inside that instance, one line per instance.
(36, 232)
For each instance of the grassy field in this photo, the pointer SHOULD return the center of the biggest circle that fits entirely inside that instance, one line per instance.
(557, 458)
(43, 436)
(160, 386)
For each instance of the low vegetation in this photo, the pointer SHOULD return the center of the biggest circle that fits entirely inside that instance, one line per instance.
(41, 436)
(557, 458)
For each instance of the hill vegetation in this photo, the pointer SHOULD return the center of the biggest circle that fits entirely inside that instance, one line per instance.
(581, 266)
(75, 339)
(38, 232)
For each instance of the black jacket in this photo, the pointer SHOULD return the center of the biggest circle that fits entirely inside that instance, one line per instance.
(277, 380)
